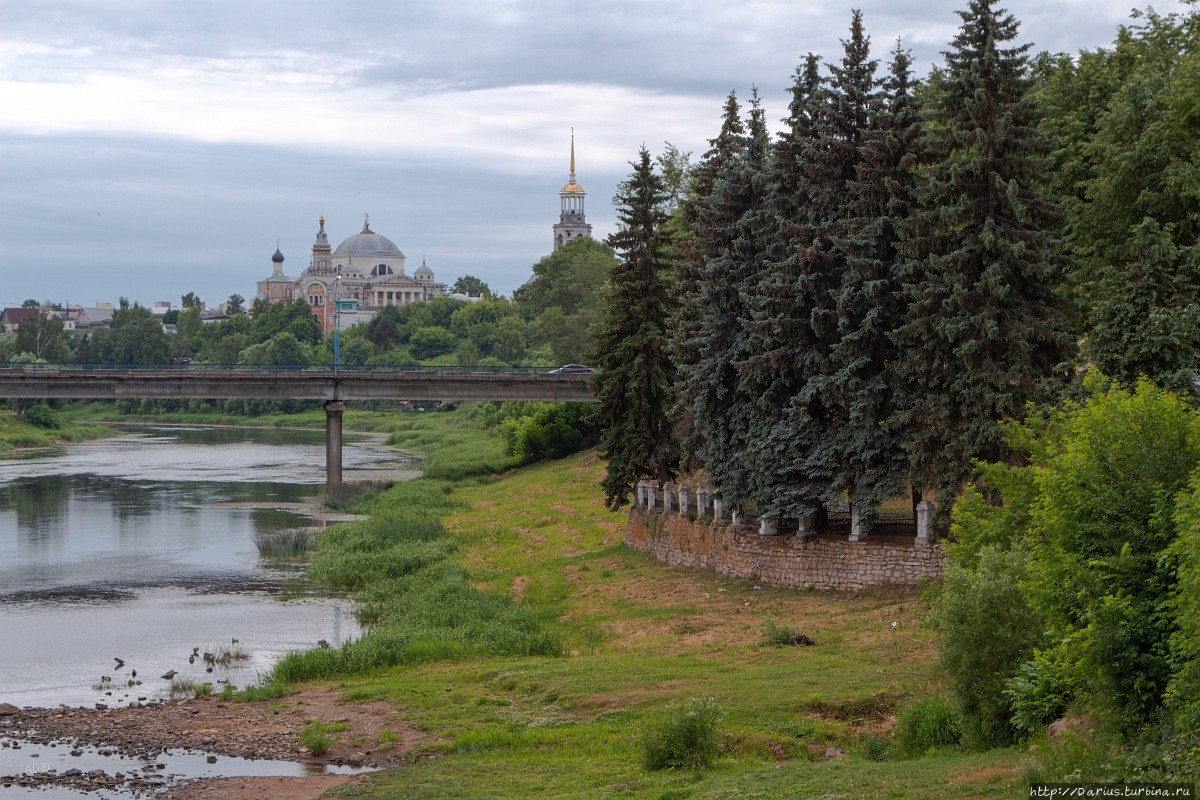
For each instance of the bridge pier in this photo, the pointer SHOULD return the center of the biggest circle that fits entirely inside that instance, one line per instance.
(333, 442)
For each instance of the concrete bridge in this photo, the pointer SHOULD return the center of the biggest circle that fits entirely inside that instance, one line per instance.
(333, 386)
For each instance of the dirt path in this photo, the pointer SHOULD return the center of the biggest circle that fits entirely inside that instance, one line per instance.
(375, 735)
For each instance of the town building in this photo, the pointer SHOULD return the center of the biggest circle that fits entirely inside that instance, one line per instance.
(365, 273)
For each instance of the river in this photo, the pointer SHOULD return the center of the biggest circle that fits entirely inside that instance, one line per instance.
(141, 547)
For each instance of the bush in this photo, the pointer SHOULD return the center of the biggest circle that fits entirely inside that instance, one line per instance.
(686, 737)
(876, 749)
(929, 724)
(780, 633)
(43, 416)
(554, 430)
(988, 631)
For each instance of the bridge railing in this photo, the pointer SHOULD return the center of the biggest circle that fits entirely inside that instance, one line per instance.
(354, 369)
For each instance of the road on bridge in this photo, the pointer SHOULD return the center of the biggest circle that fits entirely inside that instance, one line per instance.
(292, 383)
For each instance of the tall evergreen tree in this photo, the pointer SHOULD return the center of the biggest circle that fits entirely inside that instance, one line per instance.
(782, 346)
(984, 330)
(797, 453)
(706, 226)
(728, 220)
(633, 385)
(868, 461)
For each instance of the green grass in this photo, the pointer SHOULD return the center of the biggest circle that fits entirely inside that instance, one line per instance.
(534, 550)
(318, 737)
(186, 688)
(417, 604)
(507, 620)
(290, 544)
(16, 432)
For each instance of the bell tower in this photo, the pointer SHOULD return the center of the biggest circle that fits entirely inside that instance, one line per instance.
(321, 262)
(572, 223)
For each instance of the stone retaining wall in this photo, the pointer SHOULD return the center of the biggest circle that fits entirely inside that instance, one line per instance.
(820, 561)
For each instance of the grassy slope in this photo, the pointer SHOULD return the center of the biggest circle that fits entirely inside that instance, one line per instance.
(16, 432)
(641, 635)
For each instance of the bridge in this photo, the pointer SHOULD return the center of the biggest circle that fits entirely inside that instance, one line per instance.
(333, 386)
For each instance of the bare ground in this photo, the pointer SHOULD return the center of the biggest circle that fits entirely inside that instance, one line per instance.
(376, 735)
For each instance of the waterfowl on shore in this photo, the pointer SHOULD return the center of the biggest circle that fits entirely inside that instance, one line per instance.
(169, 674)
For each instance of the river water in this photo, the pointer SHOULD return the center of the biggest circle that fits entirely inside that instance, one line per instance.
(141, 548)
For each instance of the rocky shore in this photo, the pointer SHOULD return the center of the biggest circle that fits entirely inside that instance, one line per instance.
(375, 735)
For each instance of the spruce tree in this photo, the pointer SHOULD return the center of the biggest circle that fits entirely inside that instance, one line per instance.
(708, 223)
(634, 383)
(868, 460)
(782, 347)
(799, 455)
(984, 329)
(728, 220)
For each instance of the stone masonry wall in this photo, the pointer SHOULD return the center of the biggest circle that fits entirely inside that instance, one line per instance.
(821, 561)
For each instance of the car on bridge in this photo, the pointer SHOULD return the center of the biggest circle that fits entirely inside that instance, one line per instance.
(572, 369)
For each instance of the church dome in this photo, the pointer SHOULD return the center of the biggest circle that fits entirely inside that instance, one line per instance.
(572, 188)
(368, 242)
(278, 257)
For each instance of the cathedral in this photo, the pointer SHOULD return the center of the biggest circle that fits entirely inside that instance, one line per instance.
(366, 271)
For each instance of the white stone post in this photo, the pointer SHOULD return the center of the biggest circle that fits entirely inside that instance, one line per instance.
(736, 516)
(807, 524)
(858, 530)
(670, 498)
(684, 489)
(702, 506)
(651, 494)
(718, 510)
(641, 493)
(766, 527)
(925, 511)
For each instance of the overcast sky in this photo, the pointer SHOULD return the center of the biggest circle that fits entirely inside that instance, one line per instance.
(150, 148)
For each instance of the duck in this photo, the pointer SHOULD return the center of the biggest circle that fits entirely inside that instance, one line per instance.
(169, 674)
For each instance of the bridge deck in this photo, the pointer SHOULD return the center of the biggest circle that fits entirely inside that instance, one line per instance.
(265, 383)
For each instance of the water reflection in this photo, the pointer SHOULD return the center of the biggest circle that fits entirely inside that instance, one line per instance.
(143, 546)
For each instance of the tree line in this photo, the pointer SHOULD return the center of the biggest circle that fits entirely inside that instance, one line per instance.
(854, 305)
(981, 286)
(545, 323)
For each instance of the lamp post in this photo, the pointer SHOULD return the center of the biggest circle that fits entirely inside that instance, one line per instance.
(337, 323)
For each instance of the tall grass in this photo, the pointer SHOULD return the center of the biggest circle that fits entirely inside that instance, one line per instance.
(291, 544)
(686, 737)
(414, 601)
(345, 496)
(928, 725)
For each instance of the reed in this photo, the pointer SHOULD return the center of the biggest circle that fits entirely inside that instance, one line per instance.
(290, 544)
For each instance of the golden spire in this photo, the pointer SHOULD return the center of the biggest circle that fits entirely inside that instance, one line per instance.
(572, 155)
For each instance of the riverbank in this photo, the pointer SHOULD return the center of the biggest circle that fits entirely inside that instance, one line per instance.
(370, 736)
(634, 638)
(17, 432)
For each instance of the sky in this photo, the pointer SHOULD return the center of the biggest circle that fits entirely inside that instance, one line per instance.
(151, 148)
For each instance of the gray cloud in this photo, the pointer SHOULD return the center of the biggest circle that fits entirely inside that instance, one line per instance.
(154, 148)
